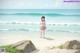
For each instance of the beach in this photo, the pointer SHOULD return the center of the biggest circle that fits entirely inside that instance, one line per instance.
(43, 45)
(62, 25)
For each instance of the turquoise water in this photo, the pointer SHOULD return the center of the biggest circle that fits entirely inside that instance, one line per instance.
(29, 20)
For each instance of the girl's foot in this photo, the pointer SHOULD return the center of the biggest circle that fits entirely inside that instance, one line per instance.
(40, 37)
(43, 37)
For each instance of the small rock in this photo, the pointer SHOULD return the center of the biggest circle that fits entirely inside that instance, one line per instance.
(77, 51)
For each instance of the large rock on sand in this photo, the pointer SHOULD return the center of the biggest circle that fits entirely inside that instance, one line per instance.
(72, 45)
(25, 46)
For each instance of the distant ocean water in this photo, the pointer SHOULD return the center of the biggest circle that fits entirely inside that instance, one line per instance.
(67, 20)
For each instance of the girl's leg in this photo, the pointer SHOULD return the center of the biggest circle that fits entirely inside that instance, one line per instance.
(41, 34)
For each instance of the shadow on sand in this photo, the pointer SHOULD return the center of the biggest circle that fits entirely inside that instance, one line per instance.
(47, 38)
(35, 51)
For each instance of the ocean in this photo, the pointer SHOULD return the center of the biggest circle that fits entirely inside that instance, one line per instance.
(19, 24)
(65, 20)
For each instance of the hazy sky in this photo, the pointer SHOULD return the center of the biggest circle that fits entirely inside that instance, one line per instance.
(38, 4)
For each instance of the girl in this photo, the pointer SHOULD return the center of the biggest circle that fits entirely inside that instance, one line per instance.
(42, 27)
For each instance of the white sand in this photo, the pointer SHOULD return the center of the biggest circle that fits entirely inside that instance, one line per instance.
(45, 45)
(42, 45)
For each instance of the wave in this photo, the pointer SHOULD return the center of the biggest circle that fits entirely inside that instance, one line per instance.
(20, 29)
(50, 14)
(68, 31)
(39, 30)
(38, 14)
(14, 30)
(37, 23)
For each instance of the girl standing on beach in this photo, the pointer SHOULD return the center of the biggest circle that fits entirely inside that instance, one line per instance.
(42, 27)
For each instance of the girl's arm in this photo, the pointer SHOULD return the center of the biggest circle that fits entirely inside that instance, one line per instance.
(45, 24)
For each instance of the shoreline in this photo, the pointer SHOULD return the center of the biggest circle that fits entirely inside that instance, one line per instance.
(52, 39)
(36, 34)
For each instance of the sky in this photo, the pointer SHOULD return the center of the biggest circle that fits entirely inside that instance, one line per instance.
(38, 4)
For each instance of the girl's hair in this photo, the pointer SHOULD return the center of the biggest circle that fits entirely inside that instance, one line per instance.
(43, 17)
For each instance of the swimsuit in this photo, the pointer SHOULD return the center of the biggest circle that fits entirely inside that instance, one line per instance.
(43, 27)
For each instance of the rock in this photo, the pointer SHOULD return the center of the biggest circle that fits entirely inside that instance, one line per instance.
(77, 51)
(25, 46)
(74, 44)
(2, 50)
